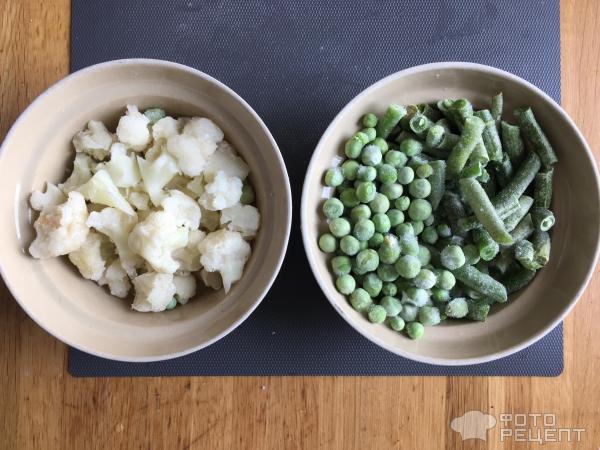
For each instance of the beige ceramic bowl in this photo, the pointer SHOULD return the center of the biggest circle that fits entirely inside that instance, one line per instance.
(38, 148)
(529, 315)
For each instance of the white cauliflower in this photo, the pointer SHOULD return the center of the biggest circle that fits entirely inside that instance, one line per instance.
(101, 189)
(157, 174)
(53, 196)
(185, 287)
(164, 128)
(60, 229)
(156, 238)
(133, 129)
(184, 209)
(225, 252)
(227, 148)
(117, 226)
(82, 172)
(117, 280)
(224, 191)
(139, 200)
(153, 292)
(210, 219)
(88, 258)
(224, 161)
(211, 279)
(191, 153)
(95, 140)
(203, 129)
(188, 257)
(242, 218)
(122, 168)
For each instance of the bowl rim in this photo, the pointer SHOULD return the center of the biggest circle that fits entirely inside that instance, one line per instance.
(309, 244)
(288, 193)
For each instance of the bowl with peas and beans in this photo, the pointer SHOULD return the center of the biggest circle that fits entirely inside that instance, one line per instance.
(450, 213)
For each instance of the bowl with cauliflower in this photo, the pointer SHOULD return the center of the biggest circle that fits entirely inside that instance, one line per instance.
(150, 209)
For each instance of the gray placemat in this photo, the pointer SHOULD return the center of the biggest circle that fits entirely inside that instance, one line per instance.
(297, 64)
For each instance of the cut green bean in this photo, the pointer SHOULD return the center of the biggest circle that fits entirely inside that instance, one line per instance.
(469, 137)
(481, 282)
(534, 134)
(389, 120)
(542, 190)
(524, 253)
(503, 170)
(490, 136)
(419, 124)
(429, 111)
(543, 219)
(520, 182)
(541, 247)
(497, 106)
(488, 248)
(512, 143)
(518, 279)
(523, 230)
(512, 220)
(480, 154)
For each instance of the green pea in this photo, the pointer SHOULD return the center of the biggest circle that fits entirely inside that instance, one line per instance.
(452, 257)
(349, 198)
(382, 223)
(415, 330)
(248, 195)
(396, 217)
(334, 177)
(408, 266)
(377, 314)
(418, 226)
(360, 212)
(327, 243)
(424, 171)
(417, 296)
(370, 132)
(350, 169)
(387, 174)
(333, 208)
(419, 188)
(396, 323)
(402, 203)
(409, 245)
(471, 253)
(380, 203)
(347, 184)
(387, 273)
(405, 175)
(369, 120)
(349, 245)
(411, 147)
(376, 240)
(405, 230)
(391, 305)
(392, 191)
(360, 300)
(355, 144)
(339, 227)
(425, 279)
(371, 155)
(445, 280)
(429, 221)
(172, 304)
(363, 245)
(372, 284)
(409, 312)
(419, 209)
(366, 173)
(381, 143)
(389, 288)
(345, 284)
(341, 265)
(429, 315)
(366, 261)
(424, 255)
(396, 159)
(364, 229)
(429, 235)
(443, 230)
(457, 308)
(440, 295)
(389, 250)
(366, 191)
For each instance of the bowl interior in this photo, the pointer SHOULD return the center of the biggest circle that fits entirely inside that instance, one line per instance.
(39, 149)
(529, 314)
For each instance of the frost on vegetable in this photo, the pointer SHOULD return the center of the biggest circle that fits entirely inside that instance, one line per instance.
(242, 218)
(188, 257)
(133, 129)
(224, 161)
(88, 258)
(117, 280)
(157, 174)
(82, 172)
(60, 229)
(95, 140)
(224, 191)
(153, 292)
(156, 238)
(101, 189)
(225, 252)
(185, 287)
(122, 168)
(191, 153)
(184, 209)
(52, 196)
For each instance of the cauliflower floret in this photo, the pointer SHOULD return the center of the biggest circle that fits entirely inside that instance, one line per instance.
(224, 161)
(117, 280)
(242, 218)
(95, 140)
(153, 292)
(226, 252)
(88, 258)
(82, 172)
(224, 191)
(101, 189)
(185, 287)
(203, 129)
(139, 200)
(117, 226)
(184, 209)
(211, 279)
(123, 169)
(156, 174)
(165, 127)
(51, 197)
(133, 129)
(60, 229)
(189, 256)
(156, 238)
(210, 219)
(191, 153)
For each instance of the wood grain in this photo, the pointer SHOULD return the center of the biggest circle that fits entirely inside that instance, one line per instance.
(41, 406)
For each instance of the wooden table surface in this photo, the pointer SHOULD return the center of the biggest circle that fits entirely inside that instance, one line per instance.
(43, 407)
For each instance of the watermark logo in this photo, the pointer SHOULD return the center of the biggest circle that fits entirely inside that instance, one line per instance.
(473, 425)
(520, 427)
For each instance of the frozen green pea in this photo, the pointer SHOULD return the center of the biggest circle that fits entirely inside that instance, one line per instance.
(404, 230)
(363, 245)
(419, 188)
(391, 305)
(377, 314)
(416, 296)
(387, 174)
(154, 114)
(360, 212)
(327, 243)
(380, 203)
(396, 158)
(429, 235)
(419, 209)
(443, 230)
(333, 208)
(366, 173)
(409, 312)
(341, 265)
(445, 280)
(387, 273)
(382, 223)
(388, 288)
(411, 147)
(369, 120)
(248, 195)
(429, 315)
(406, 175)
(376, 240)
(366, 191)
(425, 279)
(409, 245)
(360, 300)
(364, 229)
(349, 245)
(396, 323)
(349, 198)
(371, 155)
(350, 169)
(334, 177)
(172, 304)
(424, 255)
(372, 284)
(396, 217)
(347, 184)
(408, 266)
(418, 226)
(389, 250)
(402, 203)
(457, 308)
(415, 330)
(429, 221)
(345, 284)
(366, 261)
(381, 143)
(424, 171)
(370, 133)
(440, 295)
(471, 253)
(452, 257)
(340, 227)
(392, 191)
